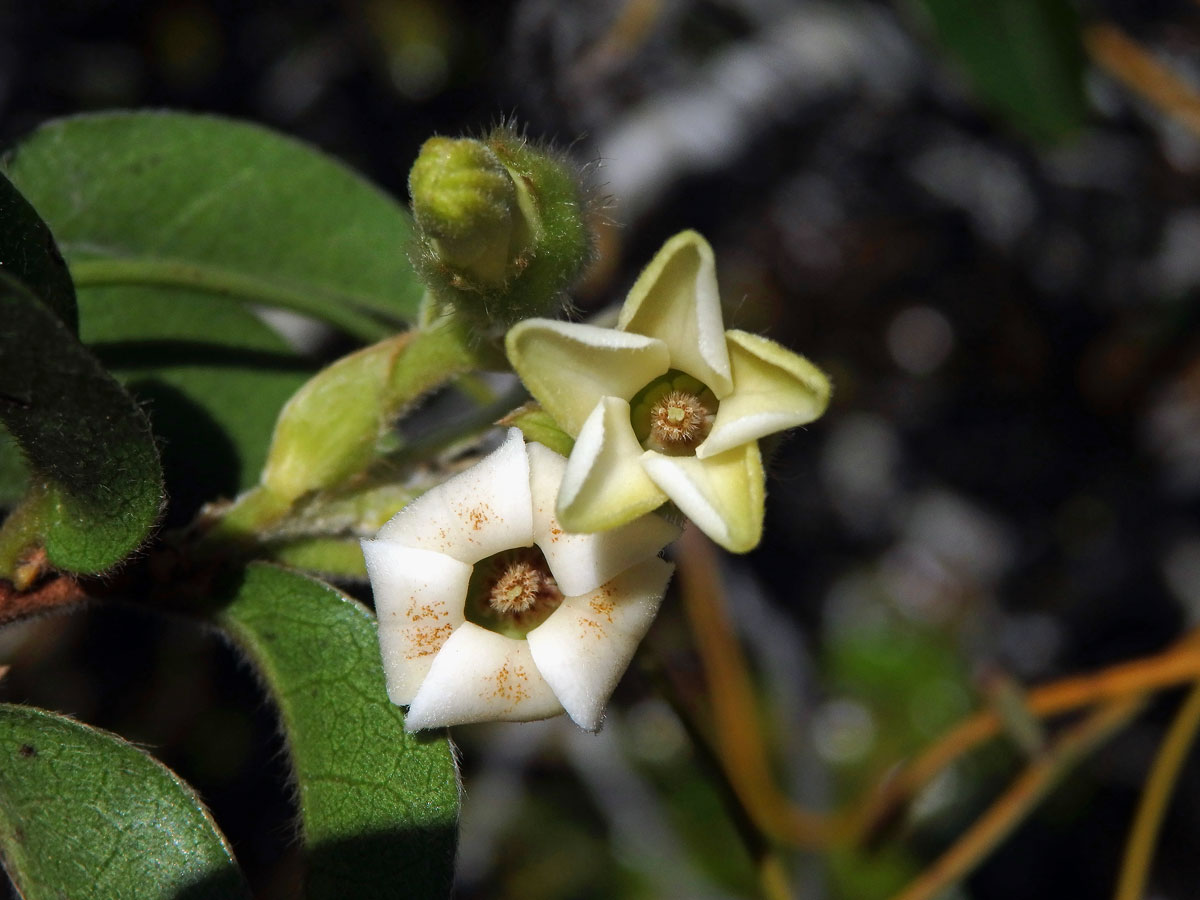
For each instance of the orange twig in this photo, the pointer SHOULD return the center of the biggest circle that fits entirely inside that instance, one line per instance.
(1177, 665)
(1130, 63)
(1156, 796)
(738, 733)
(58, 593)
(1038, 778)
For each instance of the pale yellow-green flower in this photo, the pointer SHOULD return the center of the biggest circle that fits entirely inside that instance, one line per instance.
(668, 405)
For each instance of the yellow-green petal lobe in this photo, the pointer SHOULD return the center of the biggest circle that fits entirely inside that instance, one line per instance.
(722, 495)
(581, 563)
(419, 598)
(568, 366)
(478, 512)
(676, 300)
(481, 676)
(604, 485)
(587, 644)
(773, 389)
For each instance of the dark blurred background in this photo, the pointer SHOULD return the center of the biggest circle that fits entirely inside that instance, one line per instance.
(976, 221)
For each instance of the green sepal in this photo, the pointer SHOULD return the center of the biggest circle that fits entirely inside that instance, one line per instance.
(339, 558)
(538, 425)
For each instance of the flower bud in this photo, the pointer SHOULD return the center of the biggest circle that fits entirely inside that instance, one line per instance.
(328, 432)
(501, 231)
(465, 204)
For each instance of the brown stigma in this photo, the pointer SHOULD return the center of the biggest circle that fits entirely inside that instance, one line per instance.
(679, 421)
(512, 592)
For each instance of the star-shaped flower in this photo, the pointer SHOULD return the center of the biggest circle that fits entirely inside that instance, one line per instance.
(668, 405)
(489, 610)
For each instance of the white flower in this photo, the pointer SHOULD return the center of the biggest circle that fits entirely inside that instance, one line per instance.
(554, 627)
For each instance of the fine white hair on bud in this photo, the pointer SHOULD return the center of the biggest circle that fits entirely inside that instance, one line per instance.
(489, 610)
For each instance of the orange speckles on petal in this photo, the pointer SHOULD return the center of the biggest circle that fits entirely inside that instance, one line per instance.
(479, 516)
(602, 606)
(590, 628)
(511, 684)
(416, 612)
(426, 640)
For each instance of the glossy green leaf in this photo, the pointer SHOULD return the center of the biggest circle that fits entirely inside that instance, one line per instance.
(223, 207)
(377, 806)
(1025, 58)
(85, 814)
(212, 378)
(97, 482)
(28, 253)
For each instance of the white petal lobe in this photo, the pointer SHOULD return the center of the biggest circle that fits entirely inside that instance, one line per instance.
(773, 390)
(722, 495)
(581, 563)
(481, 676)
(478, 512)
(419, 602)
(604, 485)
(676, 300)
(569, 366)
(584, 648)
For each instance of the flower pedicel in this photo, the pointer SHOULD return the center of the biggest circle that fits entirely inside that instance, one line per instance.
(489, 610)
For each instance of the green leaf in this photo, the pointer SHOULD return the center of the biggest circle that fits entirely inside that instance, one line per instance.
(1025, 58)
(97, 485)
(223, 207)
(85, 814)
(378, 806)
(28, 253)
(212, 377)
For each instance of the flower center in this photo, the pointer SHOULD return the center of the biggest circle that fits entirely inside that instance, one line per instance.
(677, 419)
(512, 592)
(673, 414)
(517, 589)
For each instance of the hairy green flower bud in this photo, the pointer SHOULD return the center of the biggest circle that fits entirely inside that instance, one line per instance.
(501, 230)
(465, 204)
